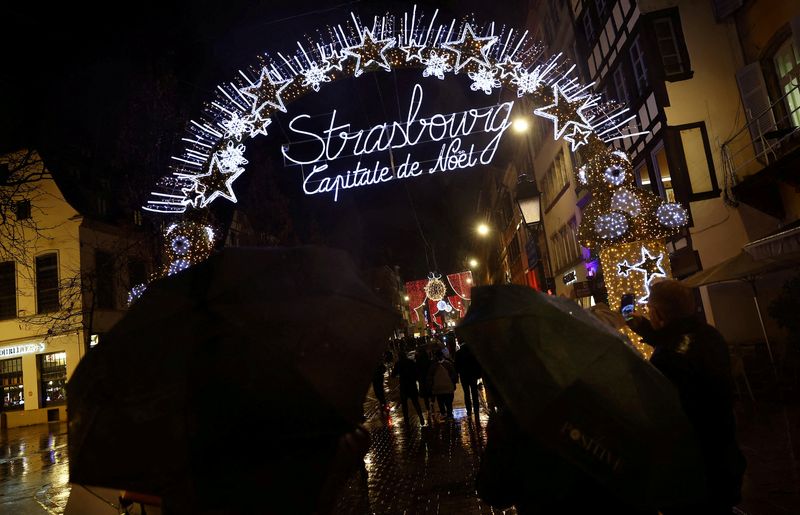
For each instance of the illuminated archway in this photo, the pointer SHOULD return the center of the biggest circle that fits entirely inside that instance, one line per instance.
(626, 225)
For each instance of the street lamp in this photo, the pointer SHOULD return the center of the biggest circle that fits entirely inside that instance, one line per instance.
(473, 263)
(405, 298)
(529, 200)
(520, 125)
(482, 229)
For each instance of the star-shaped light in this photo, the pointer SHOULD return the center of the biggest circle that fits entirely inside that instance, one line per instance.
(651, 267)
(266, 93)
(470, 48)
(369, 52)
(259, 125)
(623, 268)
(214, 183)
(565, 111)
(333, 61)
(508, 68)
(413, 51)
(578, 136)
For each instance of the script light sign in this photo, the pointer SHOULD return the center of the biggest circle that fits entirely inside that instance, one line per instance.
(373, 148)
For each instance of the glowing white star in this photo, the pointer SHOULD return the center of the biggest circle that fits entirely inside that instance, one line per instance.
(560, 97)
(265, 93)
(466, 50)
(370, 51)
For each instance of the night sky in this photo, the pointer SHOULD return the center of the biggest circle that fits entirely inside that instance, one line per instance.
(112, 91)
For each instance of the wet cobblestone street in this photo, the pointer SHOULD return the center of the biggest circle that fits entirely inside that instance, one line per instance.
(414, 469)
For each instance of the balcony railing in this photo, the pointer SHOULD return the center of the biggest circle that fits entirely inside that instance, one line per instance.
(753, 148)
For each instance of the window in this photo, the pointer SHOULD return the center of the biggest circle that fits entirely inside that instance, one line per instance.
(47, 283)
(104, 287)
(619, 84)
(642, 176)
(588, 28)
(696, 159)
(787, 66)
(639, 66)
(671, 45)
(53, 375)
(8, 290)
(556, 178)
(22, 209)
(137, 273)
(662, 173)
(564, 245)
(11, 387)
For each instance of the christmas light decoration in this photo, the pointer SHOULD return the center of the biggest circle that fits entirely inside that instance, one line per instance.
(136, 292)
(491, 56)
(625, 200)
(435, 289)
(484, 79)
(614, 175)
(672, 215)
(610, 226)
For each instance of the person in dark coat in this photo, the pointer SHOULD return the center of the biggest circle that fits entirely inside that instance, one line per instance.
(406, 371)
(423, 362)
(442, 382)
(694, 357)
(469, 371)
(377, 384)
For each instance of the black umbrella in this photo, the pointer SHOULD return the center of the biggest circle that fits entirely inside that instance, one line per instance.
(575, 386)
(256, 358)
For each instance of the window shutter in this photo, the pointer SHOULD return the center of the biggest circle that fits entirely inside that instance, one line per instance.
(755, 100)
(724, 8)
(795, 24)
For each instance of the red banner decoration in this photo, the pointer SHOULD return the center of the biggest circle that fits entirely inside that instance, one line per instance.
(461, 284)
(416, 297)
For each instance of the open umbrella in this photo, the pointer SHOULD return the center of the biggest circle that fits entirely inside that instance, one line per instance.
(745, 267)
(251, 358)
(575, 386)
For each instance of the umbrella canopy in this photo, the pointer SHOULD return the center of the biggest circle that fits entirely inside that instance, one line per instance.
(269, 348)
(742, 267)
(574, 385)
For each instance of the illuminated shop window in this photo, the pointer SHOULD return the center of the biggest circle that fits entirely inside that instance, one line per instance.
(53, 374)
(787, 64)
(11, 387)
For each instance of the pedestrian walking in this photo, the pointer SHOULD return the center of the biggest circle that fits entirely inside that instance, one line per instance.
(423, 363)
(377, 385)
(442, 379)
(469, 371)
(694, 357)
(406, 371)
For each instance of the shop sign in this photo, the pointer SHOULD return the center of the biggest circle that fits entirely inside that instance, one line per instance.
(23, 348)
(570, 277)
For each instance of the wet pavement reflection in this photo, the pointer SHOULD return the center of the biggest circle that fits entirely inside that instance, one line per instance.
(415, 469)
(34, 471)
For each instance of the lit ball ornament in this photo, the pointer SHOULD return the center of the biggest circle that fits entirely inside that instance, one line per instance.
(441, 305)
(624, 200)
(610, 226)
(614, 175)
(435, 289)
(180, 245)
(672, 215)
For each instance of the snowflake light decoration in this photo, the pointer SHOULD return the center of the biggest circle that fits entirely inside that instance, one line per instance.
(528, 82)
(436, 64)
(314, 76)
(237, 125)
(484, 79)
(610, 226)
(672, 215)
(231, 158)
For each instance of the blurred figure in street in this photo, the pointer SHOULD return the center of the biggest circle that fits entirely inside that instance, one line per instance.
(423, 363)
(469, 371)
(695, 358)
(406, 371)
(377, 385)
(442, 380)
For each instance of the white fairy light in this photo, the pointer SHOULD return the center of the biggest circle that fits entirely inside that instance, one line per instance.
(436, 64)
(314, 76)
(180, 245)
(650, 266)
(671, 214)
(136, 292)
(610, 226)
(484, 79)
(624, 200)
(528, 82)
(178, 266)
(614, 175)
(582, 178)
(237, 125)
(231, 158)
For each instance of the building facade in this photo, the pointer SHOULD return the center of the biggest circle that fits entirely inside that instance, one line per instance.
(64, 280)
